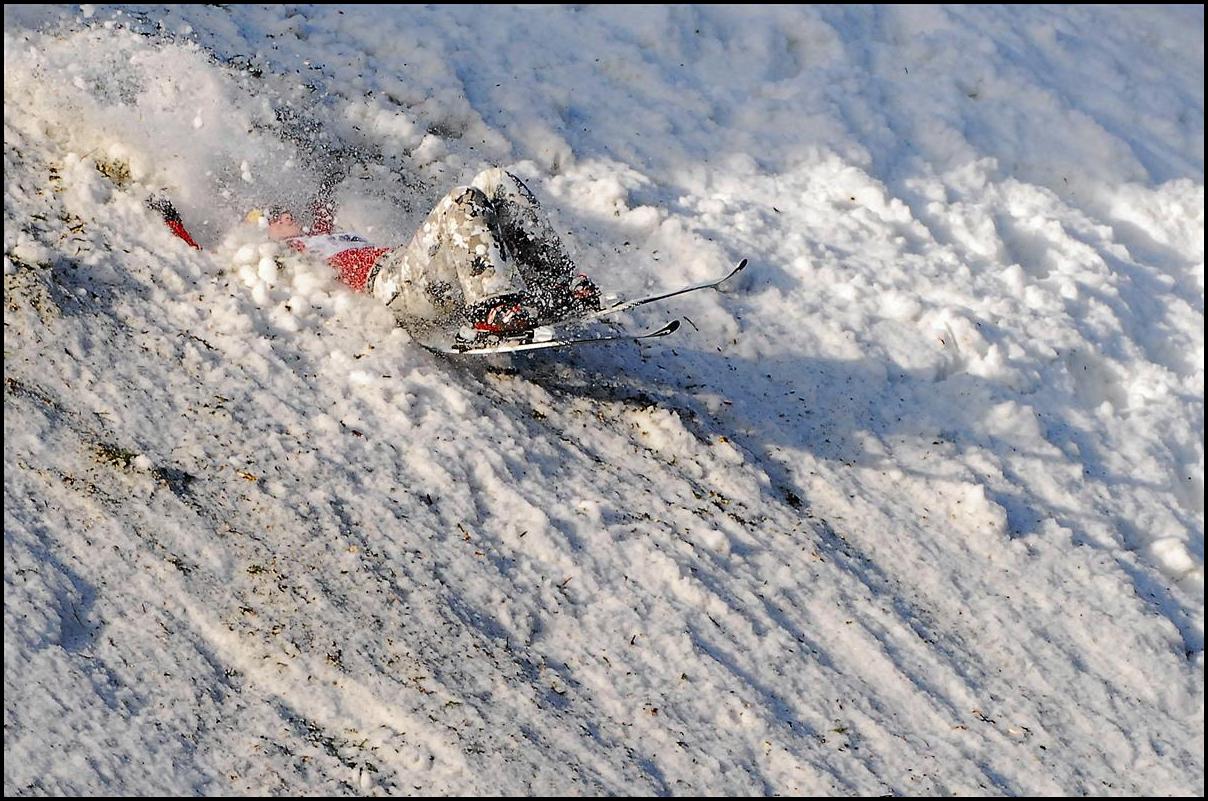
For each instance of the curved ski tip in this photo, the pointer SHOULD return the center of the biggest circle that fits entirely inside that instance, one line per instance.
(669, 328)
(741, 265)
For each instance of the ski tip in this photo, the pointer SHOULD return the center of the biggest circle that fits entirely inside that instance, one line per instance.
(669, 328)
(741, 265)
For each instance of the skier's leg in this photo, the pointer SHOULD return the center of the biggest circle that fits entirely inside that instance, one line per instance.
(454, 262)
(530, 238)
(474, 249)
(533, 243)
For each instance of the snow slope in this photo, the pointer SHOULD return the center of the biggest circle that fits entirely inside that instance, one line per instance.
(916, 507)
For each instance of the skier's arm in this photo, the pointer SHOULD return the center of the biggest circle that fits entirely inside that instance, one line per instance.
(354, 265)
(172, 219)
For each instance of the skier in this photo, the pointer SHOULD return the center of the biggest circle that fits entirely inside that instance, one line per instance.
(485, 261)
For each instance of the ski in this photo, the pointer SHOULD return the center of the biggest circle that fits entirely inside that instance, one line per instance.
(535, 342)
(625, 305)
(560, 342)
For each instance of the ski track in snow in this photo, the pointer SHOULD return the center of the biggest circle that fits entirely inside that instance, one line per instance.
(915, 507)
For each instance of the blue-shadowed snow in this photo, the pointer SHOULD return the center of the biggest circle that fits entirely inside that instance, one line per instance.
(914, 507)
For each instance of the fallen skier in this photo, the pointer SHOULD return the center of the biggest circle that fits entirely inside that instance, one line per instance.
(485, 262)
(483, 273)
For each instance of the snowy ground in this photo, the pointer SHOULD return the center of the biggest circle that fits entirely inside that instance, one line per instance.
(915, 508)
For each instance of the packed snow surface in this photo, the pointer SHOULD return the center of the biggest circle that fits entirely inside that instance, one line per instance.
(915, 506)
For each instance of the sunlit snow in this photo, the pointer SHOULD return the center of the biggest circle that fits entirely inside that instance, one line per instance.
(915, 506)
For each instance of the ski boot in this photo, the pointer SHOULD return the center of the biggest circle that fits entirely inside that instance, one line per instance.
(509, 318)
